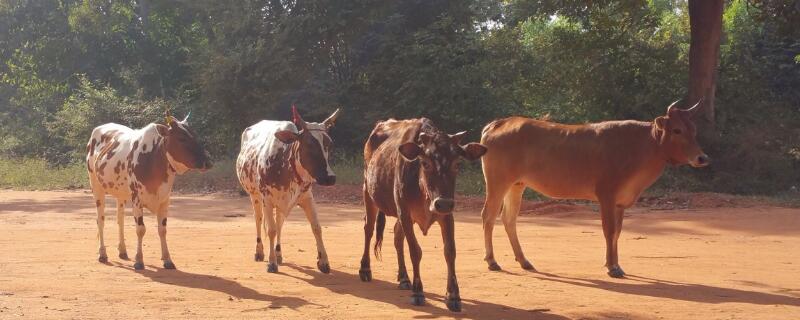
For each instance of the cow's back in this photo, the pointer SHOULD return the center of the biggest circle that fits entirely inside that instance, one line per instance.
(383, 162)
(565, 161)
(107, 159)
(258, 145)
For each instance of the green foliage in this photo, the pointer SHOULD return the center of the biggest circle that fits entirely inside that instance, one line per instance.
(88, 106)
(37, 174)
(67, 66)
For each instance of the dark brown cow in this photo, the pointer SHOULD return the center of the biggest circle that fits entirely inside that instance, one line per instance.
(610, 162)
(139, 166)
(410, 173)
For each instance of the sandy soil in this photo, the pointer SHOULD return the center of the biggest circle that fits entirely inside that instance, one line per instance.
(715, 263)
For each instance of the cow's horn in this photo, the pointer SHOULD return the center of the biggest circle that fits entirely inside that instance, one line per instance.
(697, 106)
(297, 119)
(331, 119)
(673, 106)
(187, 116)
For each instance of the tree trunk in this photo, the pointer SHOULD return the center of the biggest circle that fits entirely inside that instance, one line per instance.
(705, 19)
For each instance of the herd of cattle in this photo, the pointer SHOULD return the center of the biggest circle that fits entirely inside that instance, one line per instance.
(409, 173)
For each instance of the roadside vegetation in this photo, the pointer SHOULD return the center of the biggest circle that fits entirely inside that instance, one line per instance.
(67, 66)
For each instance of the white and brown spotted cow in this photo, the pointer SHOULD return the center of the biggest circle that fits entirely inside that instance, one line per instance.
(139, 166)
(277, 165)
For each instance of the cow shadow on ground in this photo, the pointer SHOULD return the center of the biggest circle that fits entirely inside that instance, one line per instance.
(214, 283)
(388, 292)
(61, 205)
(643, 286)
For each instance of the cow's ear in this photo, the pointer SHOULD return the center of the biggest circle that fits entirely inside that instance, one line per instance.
(287, 136)
(162, 130)
(473, 151)
(661, 123)
(410, 150)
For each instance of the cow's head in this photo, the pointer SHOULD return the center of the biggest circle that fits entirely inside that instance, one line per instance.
(439, 155)
(678, 136)
(184, 151)
(313, 145)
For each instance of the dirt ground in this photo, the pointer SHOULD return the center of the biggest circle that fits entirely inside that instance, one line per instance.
(714, 263)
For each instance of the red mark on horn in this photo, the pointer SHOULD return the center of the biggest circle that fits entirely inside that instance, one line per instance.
(295, 116)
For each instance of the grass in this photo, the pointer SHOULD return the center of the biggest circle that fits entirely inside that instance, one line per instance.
(37, 174)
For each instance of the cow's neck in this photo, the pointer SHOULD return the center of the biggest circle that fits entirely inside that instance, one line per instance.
(427, 220)
(299, 174)
(655, 140)
(153, 167)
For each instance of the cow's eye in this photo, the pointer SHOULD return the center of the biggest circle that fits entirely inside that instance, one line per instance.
(676, 131)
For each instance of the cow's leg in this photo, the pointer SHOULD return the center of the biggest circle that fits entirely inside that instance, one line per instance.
(307, 203)
(259, 216)
(162, 235)
(453, 299)
(370, 214)
(619, 214)
(608, 216)
(417, 296)
(495, 192)
(279, 219)
(510, 212)
(100, 205)
(123, 251)
(138, 217)
(272, 230)
(399, 242)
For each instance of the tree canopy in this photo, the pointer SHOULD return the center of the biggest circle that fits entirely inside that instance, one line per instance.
(69, 65)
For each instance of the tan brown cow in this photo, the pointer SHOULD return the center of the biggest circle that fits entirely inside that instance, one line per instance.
(410, 173)
(139, 167)
(610, 162)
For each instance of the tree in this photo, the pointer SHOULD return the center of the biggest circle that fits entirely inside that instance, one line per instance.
(705, 17)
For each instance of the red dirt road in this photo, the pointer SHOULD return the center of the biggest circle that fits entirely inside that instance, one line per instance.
(720, 263)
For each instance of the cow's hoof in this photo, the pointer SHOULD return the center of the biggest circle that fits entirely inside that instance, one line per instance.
(527, 265)
(324, 267)
(365, 275)
(102, 259)
(169, 265)
(138, 265)
(616, 272)
(259, 257)
(123, 256)
(454, 304)
(494, 266)
(272, 268)
(404, 284)
(418, 299)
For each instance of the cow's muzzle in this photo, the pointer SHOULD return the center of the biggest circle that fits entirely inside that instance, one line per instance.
(700, 161)
(327, 180)
(443, 205)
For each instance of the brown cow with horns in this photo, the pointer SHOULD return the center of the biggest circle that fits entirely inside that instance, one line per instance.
(139, 167)
(610, 162)
(410, 173)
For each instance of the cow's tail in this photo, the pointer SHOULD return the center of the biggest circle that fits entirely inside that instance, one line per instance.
(380, 225)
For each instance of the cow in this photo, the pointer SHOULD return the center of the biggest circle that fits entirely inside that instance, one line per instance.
(278, 163)
(139, 167)
(410, 170)
(609, 162)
